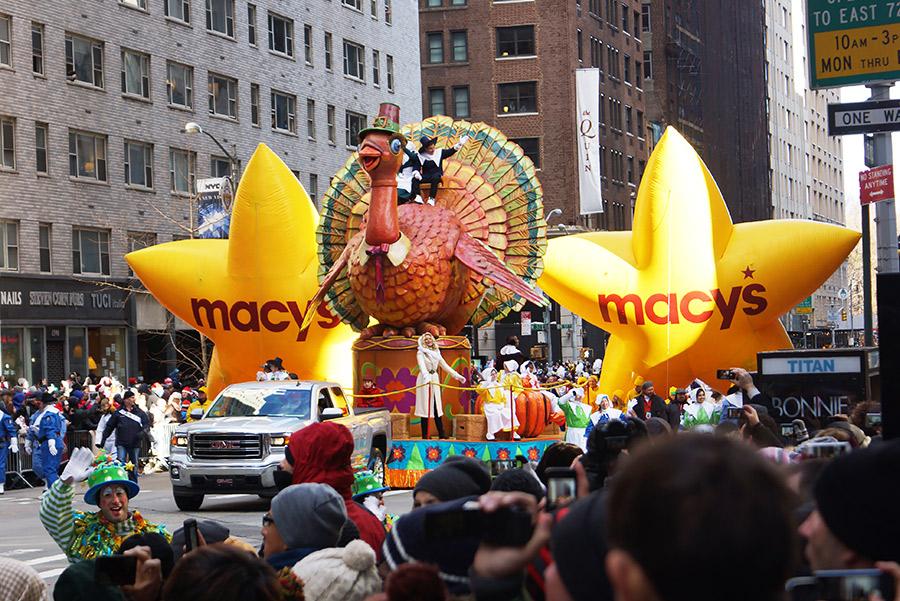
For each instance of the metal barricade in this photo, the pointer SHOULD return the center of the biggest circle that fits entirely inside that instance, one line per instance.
(20, 465)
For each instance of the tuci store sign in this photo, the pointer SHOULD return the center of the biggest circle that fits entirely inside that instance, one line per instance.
(34, 300)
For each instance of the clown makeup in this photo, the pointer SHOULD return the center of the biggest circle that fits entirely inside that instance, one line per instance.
(113, 501)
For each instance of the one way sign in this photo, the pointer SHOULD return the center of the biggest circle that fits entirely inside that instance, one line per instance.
(863, 117)
(876, 184)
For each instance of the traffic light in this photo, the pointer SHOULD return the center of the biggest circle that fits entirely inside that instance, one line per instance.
(843, 314)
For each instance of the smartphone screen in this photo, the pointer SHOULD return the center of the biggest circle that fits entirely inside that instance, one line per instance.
(191, 540)
(115, 570)
(561, 487)
(734, 412)
(873, 419)
(787, 430)
(854, 585)
(724, 374)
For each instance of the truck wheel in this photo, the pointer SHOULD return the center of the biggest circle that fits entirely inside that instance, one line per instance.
(188, 502)
(376, 465)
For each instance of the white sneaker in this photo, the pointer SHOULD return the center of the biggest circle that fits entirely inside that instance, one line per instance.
(516, 436)
(431, 201)
(491, 437)
(1, 490)
(418, 199)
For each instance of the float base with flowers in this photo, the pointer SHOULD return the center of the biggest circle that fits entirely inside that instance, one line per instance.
(411, 459)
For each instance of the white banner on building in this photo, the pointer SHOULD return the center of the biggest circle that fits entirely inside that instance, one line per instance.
(587, 92)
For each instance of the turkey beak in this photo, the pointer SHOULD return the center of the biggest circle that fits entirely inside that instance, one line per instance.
(369, 156)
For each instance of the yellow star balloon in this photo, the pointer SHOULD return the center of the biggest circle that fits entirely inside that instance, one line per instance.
(249, 293)
(687, 291)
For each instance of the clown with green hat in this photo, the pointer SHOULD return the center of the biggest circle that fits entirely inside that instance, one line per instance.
(367, 490)
(85, 535)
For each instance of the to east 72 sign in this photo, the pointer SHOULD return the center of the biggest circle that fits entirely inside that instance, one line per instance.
(853, 41)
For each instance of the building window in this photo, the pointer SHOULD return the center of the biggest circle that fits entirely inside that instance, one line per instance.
(251, 24)
(355, 122)
(628, 120)
(388, 12)
(461, 102)
(458, 2)
(626, 70)
(376, 68)
(220, 16)
(354, 60)
(354, 4)
(434, 3)
(37, 48)
(281, 35)
(327, 51)
(625, 13)
(182, 170)
(640, 124)
(180, 85)
(645, 17)
(648, 65)
(41, 163)
(532, 149)
(373, 8)
(254, 104)
(630, 164)
(595, 52)
(7, 143)
(612, 61)
(139, 164)
(515, 41)
(284, 111)
(178, 9)
(636, 25)
(84, 60)
(135, 74)
(6, 40)
(308, 44)
(314, 189)
(331, 125)
(520, 97)
(222, 96)
(436, 104)
(44, 247)
(9, 245)
(579, 39)
(141, 4)
(435, 44)
(459, 43)
(638, 74)
(87, 156)
(310, 118)
(90, 251)
(390, 72)
(219, 166)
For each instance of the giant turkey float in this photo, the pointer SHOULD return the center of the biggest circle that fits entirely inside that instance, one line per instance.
(398, 273)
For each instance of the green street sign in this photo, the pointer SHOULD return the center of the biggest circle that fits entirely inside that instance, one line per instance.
(853, 43)
(805, 306)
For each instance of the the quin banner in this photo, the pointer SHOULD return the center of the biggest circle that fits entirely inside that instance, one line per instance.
(587, 92)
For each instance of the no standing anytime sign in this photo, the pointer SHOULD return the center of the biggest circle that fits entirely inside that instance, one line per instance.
(876, 184)
(853, 41)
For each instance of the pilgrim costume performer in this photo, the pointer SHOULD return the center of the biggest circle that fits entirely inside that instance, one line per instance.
(432, 161)
(428, 389)
(84, 535)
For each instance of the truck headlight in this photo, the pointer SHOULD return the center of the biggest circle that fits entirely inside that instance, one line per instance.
(179, 440)
(280, 440)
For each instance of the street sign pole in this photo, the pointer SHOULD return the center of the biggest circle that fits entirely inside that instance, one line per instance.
(885, 213)
(867, 276)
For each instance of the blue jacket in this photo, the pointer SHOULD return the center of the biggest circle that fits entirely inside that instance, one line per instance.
(52, 425)
(7, 428)
(128, 425)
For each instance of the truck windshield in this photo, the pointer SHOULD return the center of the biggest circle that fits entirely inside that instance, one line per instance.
(289, 402)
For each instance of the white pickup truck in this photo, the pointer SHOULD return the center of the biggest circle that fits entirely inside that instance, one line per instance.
(238, 444)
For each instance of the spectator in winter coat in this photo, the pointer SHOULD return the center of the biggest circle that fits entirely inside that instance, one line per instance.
(130, 425)
(321, 452)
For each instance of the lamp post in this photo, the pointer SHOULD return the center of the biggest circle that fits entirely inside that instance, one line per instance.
(194, 128)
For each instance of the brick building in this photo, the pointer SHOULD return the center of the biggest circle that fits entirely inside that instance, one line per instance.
(95, 95)
(512, 64)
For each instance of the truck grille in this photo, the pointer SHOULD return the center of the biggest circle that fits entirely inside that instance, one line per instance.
(226, 446)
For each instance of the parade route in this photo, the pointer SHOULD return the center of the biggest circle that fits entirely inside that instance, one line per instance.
(27, 541)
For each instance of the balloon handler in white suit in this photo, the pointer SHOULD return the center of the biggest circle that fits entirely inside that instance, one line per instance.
(428, 390)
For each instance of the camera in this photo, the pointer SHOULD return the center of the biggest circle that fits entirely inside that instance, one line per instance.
(787, 430)
(842, 585)
(734, 412)
(725, 374)
(873, 420)
(506, 527)
(824, 449)
(561, 486)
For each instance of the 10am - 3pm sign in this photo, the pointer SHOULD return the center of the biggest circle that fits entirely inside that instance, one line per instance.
(853, 42)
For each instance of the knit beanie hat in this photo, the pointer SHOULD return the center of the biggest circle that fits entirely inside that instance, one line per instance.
(855, 492)
(339, 574)
(519, 480)
(578, 544)
(457, 477)
(309, 515)
(408, 542)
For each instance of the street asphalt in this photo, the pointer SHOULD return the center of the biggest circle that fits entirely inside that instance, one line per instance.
(24, 538)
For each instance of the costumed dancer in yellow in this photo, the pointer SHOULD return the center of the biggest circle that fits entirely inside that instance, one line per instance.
(496, 407)
(428, 389)
(84, 535)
